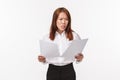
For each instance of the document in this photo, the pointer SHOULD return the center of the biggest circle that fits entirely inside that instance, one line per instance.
(51, 50)
(74, 49)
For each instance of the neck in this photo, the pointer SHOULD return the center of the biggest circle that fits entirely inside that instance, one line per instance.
(60, 32)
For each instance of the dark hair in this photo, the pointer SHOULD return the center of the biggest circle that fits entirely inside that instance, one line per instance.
(54, 28)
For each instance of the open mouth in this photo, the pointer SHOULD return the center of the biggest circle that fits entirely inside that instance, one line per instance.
(63, 27)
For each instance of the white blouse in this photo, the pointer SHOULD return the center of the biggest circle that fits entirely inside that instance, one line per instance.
(63, 43)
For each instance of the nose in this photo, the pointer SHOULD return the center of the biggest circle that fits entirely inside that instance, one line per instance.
(63, 21)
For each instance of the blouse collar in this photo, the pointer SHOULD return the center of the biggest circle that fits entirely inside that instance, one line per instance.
(62, 34)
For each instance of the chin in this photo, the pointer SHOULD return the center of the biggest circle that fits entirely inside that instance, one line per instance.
(63, 30)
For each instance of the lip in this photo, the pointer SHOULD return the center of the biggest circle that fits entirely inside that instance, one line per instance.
(63, 27)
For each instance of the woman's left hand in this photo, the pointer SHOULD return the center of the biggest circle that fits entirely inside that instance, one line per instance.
(79, 57)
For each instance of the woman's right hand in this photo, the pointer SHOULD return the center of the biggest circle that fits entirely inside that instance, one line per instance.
(41, 58)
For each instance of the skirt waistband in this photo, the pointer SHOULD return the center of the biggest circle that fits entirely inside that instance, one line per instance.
(52, 65)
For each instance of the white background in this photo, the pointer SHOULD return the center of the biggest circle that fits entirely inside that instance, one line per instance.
(24, 22)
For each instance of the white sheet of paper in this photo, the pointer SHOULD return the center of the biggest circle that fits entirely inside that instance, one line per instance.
(75, 47)
(50, 50)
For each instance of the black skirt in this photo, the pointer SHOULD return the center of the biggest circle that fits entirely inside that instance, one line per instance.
(66, 72)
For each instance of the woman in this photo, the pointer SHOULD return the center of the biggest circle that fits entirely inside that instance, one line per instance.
(61, 34)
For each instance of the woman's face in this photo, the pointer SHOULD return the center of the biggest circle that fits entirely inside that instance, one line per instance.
(62, 22)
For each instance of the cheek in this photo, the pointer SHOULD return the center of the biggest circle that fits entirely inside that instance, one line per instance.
(66, 23)
(58, 23)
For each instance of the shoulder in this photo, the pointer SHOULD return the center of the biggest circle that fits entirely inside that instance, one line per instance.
(76, 36)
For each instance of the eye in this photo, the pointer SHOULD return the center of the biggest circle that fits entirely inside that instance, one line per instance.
(66, 19)
(60, 19)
